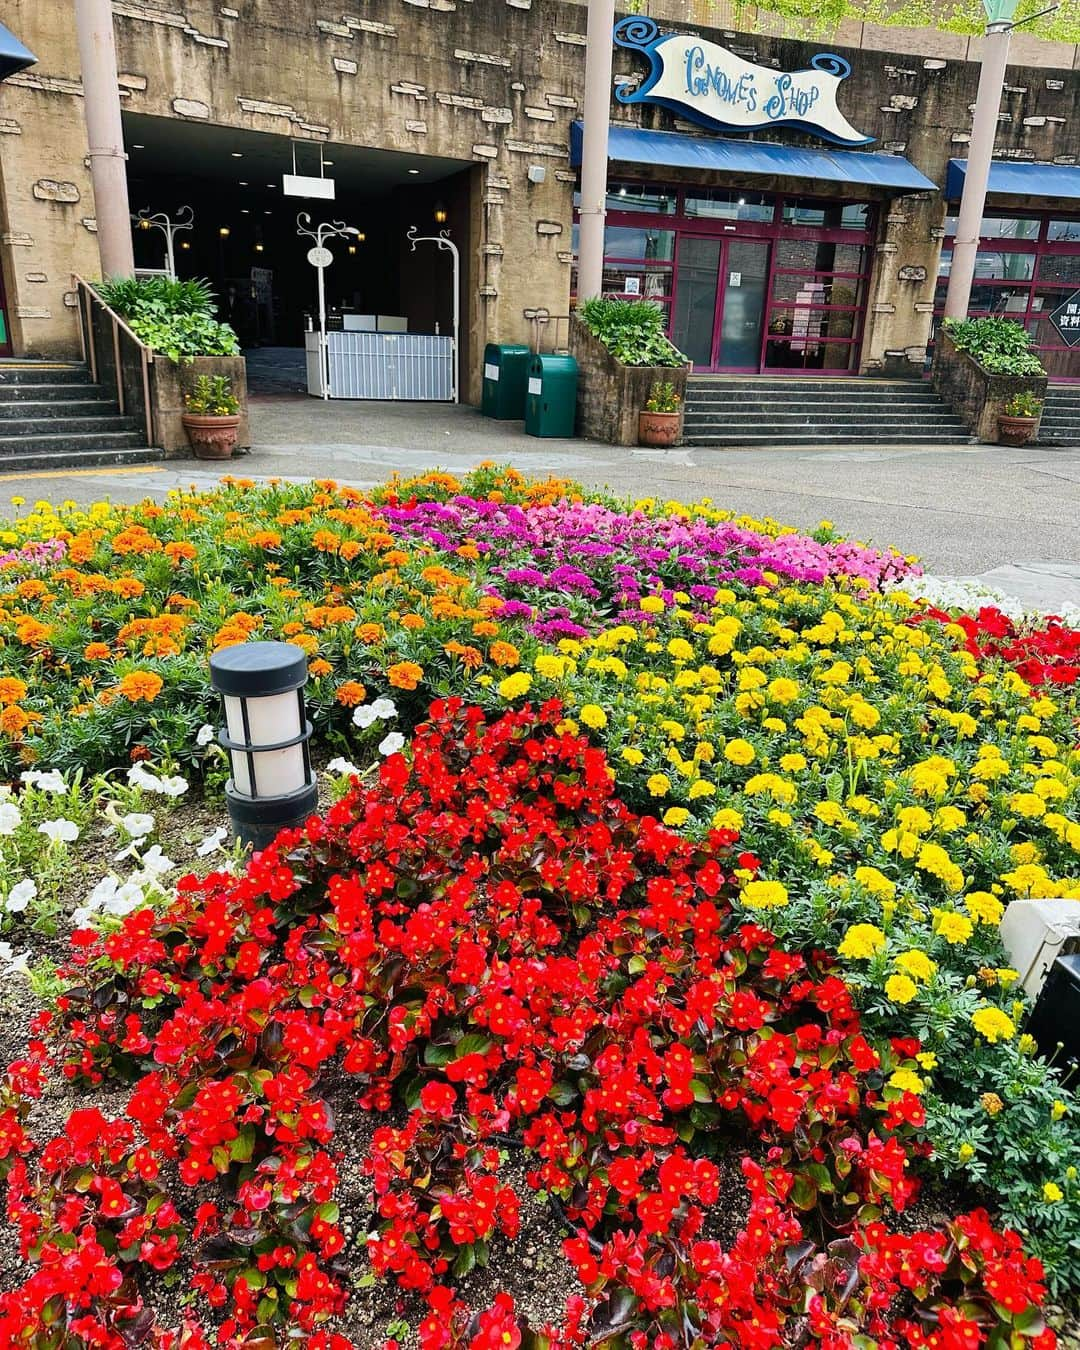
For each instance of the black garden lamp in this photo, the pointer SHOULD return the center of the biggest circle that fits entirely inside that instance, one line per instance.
(266, 734)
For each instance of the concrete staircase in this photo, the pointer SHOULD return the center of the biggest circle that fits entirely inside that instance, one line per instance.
(53, 417)
(765, 411)
(1060, 424)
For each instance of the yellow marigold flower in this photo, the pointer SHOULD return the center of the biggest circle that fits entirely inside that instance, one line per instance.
(140, 685)
(631, 754)
(1052, 1192)
(991, 1103)
(739, 752)
(1027, 804)
(965, 1153)
(861, 941)
(727, 818)
(917, 964)
(651, 604)
(927, 1059)
(900, 988)
(676, 815)
(593, 715)
(933, 859)
(659, 785)
(877, 883)
(1058, 1110)
(906, 1080)
(793, 763)
(764, 894)
(782, 690)
(984, 907)
(701, 788)
(954, 928)
(516, 685)
(830, 813)
(680, 650)
(993, 1024)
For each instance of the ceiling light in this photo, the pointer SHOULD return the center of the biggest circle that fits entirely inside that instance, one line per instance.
(244, 211)
(441, 213)
(329, 163)
(238, 154)
(144, 224)
(243, 182)
(138, 147)
(224, 231)
(258, 248)
(414, 170)
(184, 243)
(271, 185)
(268, 212)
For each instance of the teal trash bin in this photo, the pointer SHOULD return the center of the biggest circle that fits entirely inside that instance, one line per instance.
(506, 373)
(551, 401)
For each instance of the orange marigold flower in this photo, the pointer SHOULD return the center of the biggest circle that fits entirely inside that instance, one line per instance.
(470, 657)
(319, 667)
(127, 587)
(325, 541)
(136, 539)
(504, 654)
(412, 621)
(405, 674)
(265, 539)
(370, 633)
(13, 721)
(351, 693)
(11, 689)
(468, 551)
(442, 607)
(140, 684)
(81, 549)
(32, 633)
(395, 558)
(349, 550)
(307, 642)
(97, 651)
(180, 549)
(31, 589)
(485, 628)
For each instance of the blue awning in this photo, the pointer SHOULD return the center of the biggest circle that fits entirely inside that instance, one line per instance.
(669, 149)
(1019, 178)
(13, 55)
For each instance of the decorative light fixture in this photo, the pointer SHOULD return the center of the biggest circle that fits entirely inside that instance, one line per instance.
(259, 248)
(266, 735)
(224, 231)
(145, 219)
(185, 244)
(441, 213)
(352, 248)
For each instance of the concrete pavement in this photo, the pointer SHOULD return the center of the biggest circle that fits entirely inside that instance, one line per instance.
(965, 511)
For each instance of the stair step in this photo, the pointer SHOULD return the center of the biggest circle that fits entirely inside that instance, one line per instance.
(52, 393)
(18, 409)
(61, 441)
(76, 457)
(49, 426)
(824, 415)
(45, 372)
(772, 439)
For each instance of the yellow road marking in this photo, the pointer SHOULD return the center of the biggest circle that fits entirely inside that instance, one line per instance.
(87, 473)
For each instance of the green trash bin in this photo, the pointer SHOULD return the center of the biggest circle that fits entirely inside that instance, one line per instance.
(506, 372)
(551, 403)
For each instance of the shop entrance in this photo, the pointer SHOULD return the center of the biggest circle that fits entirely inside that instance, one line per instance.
(720, 293)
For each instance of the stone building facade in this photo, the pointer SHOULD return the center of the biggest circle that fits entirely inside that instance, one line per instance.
(489, 90)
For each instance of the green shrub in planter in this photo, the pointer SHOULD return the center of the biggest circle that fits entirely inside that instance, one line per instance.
(631, 330)
(1000, 346)
(175, 318)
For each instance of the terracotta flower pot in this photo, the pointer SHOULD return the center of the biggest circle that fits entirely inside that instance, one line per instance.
(1016, 430)
(657, 428)
(211, 437)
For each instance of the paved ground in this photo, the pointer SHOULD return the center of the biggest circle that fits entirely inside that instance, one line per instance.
(965, 511)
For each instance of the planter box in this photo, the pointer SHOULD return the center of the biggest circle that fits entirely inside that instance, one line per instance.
(168, 382)
(977, 397)
(611, 395)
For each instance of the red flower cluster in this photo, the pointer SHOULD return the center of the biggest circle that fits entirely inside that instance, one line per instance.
(490, 947)
(1048, 654)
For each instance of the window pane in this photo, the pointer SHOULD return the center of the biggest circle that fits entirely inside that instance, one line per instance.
(637, 281)
(795, 320)
(1000, 227)
(722, 204)
(1065, 231)
(1062, 267)
(639, 197)
(812, 255)
(826, 290)
(828, 215)
(996, 266)
(627, 241)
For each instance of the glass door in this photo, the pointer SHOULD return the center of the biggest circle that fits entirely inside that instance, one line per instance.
(693, 323)
(742, 321)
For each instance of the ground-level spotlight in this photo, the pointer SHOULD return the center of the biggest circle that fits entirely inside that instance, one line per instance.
(266, 734)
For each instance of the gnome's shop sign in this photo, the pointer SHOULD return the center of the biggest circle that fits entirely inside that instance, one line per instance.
(712, 85)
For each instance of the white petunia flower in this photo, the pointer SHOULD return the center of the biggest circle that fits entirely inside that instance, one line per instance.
(81, 917)
(48, 780)
(174, 787)
(59, 831)
(206, 734)
(364, 716)
(384, 708)
(103, 892)
(137, 824)
(140, 776)
(392, 743)
(20, 896)
(212, 842)
(155, 862)
(342, 766)
(126, 898)
(7, 954)
(10, 817)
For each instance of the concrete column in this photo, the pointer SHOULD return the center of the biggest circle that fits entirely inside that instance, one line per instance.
(594, 153)
(995, 59)
(108, 162)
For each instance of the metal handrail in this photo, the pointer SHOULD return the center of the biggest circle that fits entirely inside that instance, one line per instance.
(88, 296)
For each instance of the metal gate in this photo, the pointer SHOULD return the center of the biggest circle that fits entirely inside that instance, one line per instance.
(391, 366)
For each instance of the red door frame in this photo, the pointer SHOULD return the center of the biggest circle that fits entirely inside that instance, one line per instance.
(770, 232)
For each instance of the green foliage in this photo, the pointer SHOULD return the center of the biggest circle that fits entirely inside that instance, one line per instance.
(1023, 405)
(157, 295)
(172, 317)
(663, 398)
(631, 330)
(212, 396)
(1000, 346)
(821, 18)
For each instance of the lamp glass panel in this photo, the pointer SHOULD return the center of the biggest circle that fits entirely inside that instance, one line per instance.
(271, 720)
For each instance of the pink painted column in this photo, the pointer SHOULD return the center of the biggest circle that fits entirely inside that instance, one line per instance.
(105, 133)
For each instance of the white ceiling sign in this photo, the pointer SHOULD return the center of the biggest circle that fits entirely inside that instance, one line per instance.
(300, 185)
(712, 85)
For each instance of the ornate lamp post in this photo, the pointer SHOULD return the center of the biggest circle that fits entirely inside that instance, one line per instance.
(444, 242)
(145, 220)
(320, 258)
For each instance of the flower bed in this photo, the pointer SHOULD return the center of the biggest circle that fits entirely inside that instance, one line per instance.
(693, 913)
